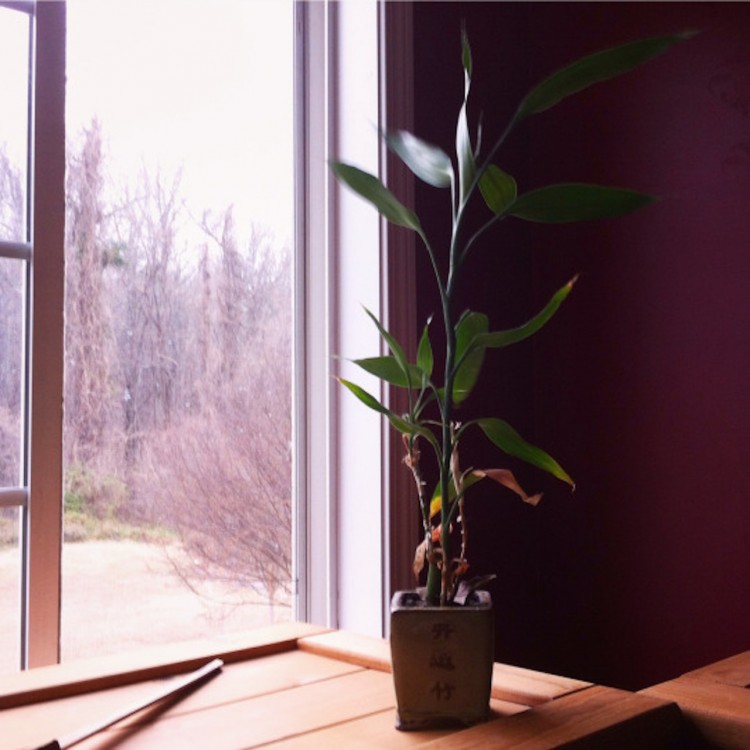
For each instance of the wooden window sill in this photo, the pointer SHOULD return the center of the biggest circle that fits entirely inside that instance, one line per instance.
(300, 686)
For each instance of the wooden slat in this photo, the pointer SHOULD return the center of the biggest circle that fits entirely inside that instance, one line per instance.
(84, 675)
(376, 731)
(509, 683)
(261, 720)
(34, 724)
(531, 688)
(592, 719)
(365, 651)
(720, 713)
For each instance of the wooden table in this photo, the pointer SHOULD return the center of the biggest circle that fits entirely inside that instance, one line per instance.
(715, 700)
(300, 686)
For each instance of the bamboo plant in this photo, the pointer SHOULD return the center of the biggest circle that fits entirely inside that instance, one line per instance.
(431, 419)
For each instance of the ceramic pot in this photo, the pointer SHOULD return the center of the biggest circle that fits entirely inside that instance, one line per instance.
(442, 660)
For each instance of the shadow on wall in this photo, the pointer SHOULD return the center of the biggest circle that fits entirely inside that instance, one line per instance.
(639, 385)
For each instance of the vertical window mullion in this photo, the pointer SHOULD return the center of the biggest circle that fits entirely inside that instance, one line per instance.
(315, 502)
(43, 528)
(24, 516)
(402, 525)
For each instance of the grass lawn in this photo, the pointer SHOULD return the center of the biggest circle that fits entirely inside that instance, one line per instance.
(122, 594)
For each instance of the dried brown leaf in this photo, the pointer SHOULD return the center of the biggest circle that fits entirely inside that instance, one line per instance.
(419, 558)
(507, 479)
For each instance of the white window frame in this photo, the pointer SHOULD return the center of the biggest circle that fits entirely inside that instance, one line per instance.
(39, 497)
(356, 538)
(44, 528)
(356, 63)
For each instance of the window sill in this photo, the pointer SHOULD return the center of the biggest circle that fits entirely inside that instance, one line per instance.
(306, 684)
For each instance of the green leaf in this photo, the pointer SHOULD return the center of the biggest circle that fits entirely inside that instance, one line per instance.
(425, 359)
(393, 344)
(468, 328)
(498, 339)
(509, 441)
(429, 163)
(466, 54)
(592, 69)
(467, 167)
(373, 190)
(370, 401)
(395, 348)
(498, 189)
(390, 370)
(577, 202)
(367, 399)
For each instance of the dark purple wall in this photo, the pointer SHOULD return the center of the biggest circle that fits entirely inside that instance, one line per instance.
(640, 385)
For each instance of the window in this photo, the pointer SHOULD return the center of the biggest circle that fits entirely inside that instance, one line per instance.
(343, 521)
(15, 252)
(177, 436)
(35, 169)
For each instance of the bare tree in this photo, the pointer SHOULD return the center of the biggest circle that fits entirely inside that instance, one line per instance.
(145, 297)
(88, 345)
(11, 316)
(11, 199)
(225, 473)
(179, 374)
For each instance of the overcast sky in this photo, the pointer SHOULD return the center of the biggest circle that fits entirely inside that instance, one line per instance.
(14, 32)
(202, 85)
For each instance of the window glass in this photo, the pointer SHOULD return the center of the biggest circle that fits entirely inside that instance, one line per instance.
(10, 613)
(177, 442)
(14, 93)
(11, 359)
(14, 82)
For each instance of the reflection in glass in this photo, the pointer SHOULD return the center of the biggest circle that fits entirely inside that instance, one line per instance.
(11, 359)
(14, 90)
(10, 616)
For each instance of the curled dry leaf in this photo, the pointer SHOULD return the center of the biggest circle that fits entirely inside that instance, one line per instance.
(411, 457)
(461, 566)
(419, 558)
(507, 479)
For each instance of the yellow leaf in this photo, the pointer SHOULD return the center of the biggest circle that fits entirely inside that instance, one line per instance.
(435, 505)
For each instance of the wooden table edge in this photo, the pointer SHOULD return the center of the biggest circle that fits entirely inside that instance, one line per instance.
(591, 715)
(718, 712)
(734, 670)
(100, 673)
